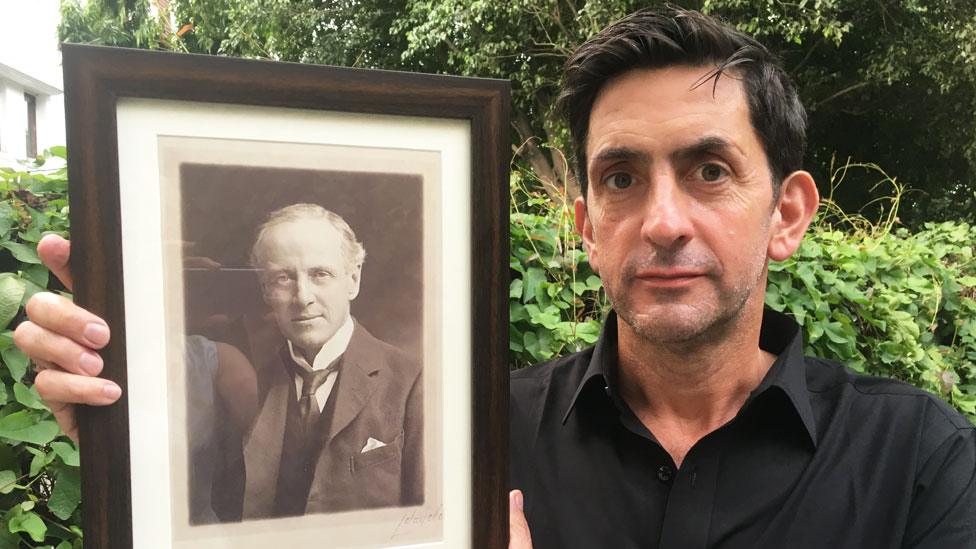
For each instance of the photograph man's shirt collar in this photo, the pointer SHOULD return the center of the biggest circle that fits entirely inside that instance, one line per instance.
(333, 348)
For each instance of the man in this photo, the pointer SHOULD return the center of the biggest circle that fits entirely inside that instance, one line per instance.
(349, 405)
(696, 421)
(339, 424)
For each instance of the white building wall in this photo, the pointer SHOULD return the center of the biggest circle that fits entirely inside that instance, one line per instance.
(50, 122)
(29, 47)
(13, 122)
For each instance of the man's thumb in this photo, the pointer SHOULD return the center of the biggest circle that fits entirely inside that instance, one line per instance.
(518, 528)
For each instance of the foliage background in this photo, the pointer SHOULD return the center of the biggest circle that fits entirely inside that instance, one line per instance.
(40, 484)
(889, 290)
(902, 72)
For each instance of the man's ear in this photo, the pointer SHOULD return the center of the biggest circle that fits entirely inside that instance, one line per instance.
(797, 204)
(355, 276)
(585, 229)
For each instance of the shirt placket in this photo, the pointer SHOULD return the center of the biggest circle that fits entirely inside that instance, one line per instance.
(688, 514)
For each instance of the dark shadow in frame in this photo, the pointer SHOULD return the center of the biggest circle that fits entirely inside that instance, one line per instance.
(96, 78)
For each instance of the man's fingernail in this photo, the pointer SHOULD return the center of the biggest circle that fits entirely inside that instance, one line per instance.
(90, 363)
(96, 334)
(112, 391)
(517, 499)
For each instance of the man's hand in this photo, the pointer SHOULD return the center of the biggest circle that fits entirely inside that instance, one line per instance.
(62, 340)
(518, 528)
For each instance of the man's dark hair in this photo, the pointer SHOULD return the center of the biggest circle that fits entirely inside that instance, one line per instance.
(652, 39)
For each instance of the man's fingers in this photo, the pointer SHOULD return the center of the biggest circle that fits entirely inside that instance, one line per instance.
(59, 388)
(518, 529)
(46, 347)
(59, 315)
(64, 414)
(54, 251)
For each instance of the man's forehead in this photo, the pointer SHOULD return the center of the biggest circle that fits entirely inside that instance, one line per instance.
(308, 235)
(671, 107)
(679, 82)
(314, 228)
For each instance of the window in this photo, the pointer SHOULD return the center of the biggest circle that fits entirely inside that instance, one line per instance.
(31, 125)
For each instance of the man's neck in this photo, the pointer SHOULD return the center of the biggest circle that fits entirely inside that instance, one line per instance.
(682, 393)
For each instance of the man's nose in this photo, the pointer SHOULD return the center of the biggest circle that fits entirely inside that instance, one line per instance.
(303, 290)
(667, 215)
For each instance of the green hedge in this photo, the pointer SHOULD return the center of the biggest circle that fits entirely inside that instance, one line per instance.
(885, 302)
(40, 485)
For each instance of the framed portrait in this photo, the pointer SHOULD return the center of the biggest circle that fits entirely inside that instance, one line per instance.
(305, 273)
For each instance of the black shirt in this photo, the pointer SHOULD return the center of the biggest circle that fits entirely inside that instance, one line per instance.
(817, 457)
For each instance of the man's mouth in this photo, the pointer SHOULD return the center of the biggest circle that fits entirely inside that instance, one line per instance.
(669, 278)
(305, 318)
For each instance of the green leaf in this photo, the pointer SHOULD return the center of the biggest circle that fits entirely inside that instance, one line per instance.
(534, 277)
(9, 540)
(22, 252)
(29, 523)
(66, 494)
(8, 217)
(38, 274)
(9, 458)
(21, 426)
(8, 482)
(29, 290)
(593, 282)
(28, 397)
(40, 461)
(11, 293)
(835, 332)
(16, 362)
(515, 290)
(67, 452)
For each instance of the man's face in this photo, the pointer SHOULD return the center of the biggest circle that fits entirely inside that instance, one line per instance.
(307, 281)
(677, 220)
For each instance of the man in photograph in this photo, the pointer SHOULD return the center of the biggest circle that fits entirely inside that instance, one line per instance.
(349, 405)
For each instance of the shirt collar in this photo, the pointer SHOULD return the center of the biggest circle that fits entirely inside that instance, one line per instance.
(598, 370)
(331, 350)
(779, 335)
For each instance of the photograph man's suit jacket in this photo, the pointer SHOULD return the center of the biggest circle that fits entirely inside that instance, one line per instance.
(379, 396)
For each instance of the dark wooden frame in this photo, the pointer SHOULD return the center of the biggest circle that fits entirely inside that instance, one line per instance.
(96, 77)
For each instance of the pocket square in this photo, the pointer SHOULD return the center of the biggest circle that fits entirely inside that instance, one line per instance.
(372, 444)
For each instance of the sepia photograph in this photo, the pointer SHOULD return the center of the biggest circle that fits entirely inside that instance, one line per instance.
(305, 353)
(303, 321)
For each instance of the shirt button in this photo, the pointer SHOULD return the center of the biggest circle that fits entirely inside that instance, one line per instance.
(665, 473)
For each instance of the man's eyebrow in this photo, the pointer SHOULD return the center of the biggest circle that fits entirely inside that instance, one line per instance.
(617, 154)
(705, 145)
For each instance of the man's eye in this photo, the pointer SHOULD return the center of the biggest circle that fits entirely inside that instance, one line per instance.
(711, 172)
(619, 180)
(320, 274)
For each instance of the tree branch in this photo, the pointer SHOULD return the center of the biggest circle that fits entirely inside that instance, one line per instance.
(844, 91)
(553, 178)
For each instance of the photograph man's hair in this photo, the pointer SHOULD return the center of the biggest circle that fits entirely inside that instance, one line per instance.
(352, 249)
(651, 39)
